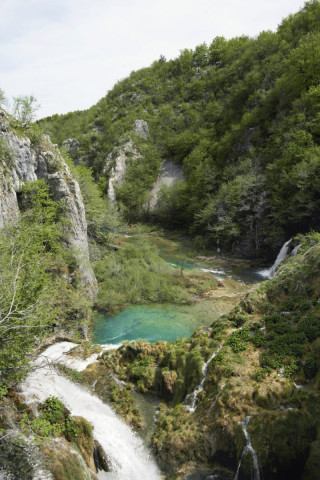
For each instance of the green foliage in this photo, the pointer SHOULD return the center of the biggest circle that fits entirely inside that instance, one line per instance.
(171, 370)
(136, 274)
(141, 173)
(31, 263)
(176, 433)
(242, 118)
(310, 327)
(3, 100)
(292, 333)
(238, 340)
(14, 459)
(24, 109)
(54, 420)
(102, 217)
(5, 151)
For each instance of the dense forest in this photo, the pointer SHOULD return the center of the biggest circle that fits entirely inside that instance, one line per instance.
(242, 118)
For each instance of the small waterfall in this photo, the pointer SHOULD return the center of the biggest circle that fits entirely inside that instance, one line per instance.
(128, 458)
(295, 251)
(191, 399)
(280, 258)
(248, 448)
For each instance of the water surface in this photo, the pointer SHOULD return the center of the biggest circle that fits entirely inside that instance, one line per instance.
(155, 322)
(169, 321)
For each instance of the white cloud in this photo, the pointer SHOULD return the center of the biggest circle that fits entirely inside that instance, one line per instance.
(68, 53)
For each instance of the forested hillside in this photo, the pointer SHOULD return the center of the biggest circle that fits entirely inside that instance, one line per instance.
(242, 117)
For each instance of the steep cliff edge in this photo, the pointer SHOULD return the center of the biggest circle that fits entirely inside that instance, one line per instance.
(23, 161)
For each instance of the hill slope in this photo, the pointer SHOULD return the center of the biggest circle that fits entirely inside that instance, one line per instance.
(242, 118)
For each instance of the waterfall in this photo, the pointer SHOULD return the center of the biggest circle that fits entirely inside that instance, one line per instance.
(191, 399)
(127, 456)
(248, 448)
(295, 251)
(280, 258)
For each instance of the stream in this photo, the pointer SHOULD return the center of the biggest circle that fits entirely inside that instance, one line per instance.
(128, 458)
(168, 322)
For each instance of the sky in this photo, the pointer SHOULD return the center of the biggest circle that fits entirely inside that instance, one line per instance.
(69, 53)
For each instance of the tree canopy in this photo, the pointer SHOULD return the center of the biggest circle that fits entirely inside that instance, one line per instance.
(242, 118)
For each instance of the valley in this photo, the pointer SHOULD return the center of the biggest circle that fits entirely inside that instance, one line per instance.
(160, 271)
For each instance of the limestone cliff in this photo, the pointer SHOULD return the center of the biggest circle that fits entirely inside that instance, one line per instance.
(118, 159)
(20, 161)
(170, 173)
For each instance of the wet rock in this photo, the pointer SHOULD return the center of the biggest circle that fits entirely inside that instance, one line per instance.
(100, 459)
(84, 332)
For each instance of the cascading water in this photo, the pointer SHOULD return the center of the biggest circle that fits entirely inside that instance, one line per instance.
(127, 456)
(191, 399)
(249, 448)
(280, 258)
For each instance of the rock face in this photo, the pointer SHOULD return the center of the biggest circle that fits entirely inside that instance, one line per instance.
(170, 173)
(118, 157)
(141, 128)
(28, 163)
(71, 145)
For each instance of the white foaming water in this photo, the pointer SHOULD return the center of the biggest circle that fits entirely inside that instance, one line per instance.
(57, 353)
(127, 456)
(214, 271)
(249, 448)
(280, 258)
(298, 387)
(265, 273)
(110, 346)
(191, 399)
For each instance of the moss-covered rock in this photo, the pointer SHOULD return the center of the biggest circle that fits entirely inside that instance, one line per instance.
(66, 464)
(176, 440)
(312, 466)
(282, 440)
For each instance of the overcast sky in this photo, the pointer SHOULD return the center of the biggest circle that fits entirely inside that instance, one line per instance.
(69, 53)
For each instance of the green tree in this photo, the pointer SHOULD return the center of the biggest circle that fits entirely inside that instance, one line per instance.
(3, 100)
(25, 108)
(30, 287)
(102, 217)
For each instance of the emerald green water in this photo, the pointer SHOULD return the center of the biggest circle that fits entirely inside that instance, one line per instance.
(153, 322)
(170, 321)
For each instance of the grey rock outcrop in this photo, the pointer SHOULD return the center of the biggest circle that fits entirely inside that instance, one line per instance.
(141, 128)
(170, 173)
(118, 159)
(28, 163)
(71, 145)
